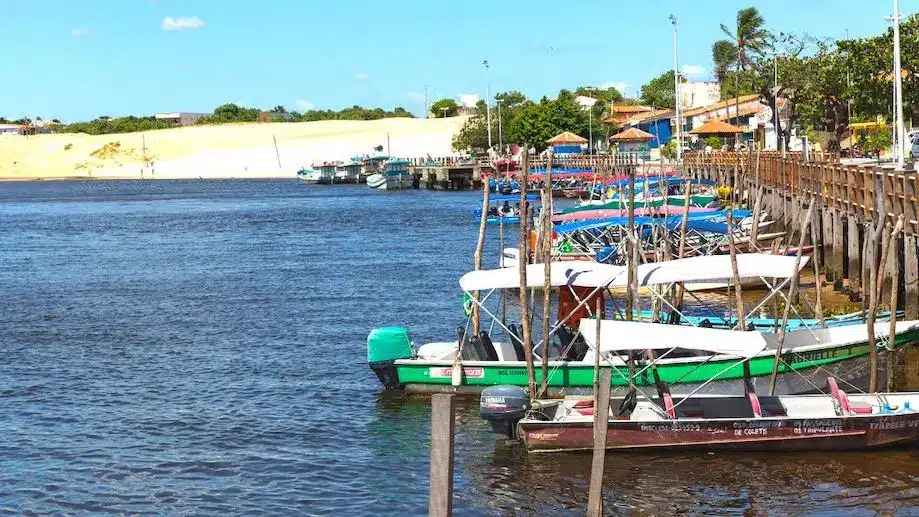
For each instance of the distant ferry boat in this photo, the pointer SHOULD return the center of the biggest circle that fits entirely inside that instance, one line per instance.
(348, 172)
(393, 175)
(314, 177)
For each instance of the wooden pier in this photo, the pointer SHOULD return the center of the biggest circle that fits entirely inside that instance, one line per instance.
(852, 203)
(448, 173)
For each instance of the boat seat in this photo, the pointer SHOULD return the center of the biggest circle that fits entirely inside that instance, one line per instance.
(517, 341)
(754, 399)
(487, 346)
(841, 401)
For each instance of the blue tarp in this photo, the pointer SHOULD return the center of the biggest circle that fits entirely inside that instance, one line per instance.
(701, 221)
(500, 198)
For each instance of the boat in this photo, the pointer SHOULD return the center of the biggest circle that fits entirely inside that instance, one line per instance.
(393, 175)
(504, 209)
(742, 420)
(648, 194)
(841, 350)
(314, 177)
(348, 173)
(327, 171)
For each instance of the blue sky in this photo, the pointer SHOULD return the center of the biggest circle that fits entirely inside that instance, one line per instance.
(78, 59)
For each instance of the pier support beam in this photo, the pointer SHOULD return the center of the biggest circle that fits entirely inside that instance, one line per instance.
(911, 276)
(837, 260)
(442, 423)
(855, 257)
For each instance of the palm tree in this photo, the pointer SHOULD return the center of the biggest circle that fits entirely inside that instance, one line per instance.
(724, 54)
(750, 37)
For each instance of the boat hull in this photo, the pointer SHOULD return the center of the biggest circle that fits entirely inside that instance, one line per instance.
(390, 181)
(753, 434)
(802, 370)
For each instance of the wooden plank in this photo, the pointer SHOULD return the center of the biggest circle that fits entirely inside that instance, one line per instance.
(601, 422)
(855, 256)
(837, 258)
(443, 415)
(911, 276)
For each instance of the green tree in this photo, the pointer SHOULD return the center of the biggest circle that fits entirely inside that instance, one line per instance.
(473, 135)
(535, 123)
(659, 92)
(445, 107)
(714, 142)
(750, 39)
(724, 56)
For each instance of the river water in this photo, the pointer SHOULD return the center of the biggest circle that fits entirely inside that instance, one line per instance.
(183, 347)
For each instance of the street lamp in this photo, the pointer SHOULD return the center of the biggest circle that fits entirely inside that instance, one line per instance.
(487, 103)
(444, 110)
(898, 88)
(775, 99)
(676, 94)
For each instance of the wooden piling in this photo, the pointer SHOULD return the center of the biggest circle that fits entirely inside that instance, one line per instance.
(911, 276)
(854, 270)
(545, 231)
(522, 261)
(818, 283)
(738, 292)
(443, 413)
(791, 296)
(601, 422)
(873, 289)
(477, 262)
(892, 329)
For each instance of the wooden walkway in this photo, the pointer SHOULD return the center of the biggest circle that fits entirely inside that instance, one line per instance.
(853, 204)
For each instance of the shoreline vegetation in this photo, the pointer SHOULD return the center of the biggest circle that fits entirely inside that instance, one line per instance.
(224, 151)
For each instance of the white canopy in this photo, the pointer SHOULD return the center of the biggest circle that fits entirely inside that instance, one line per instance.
(717, 268)
(708, 268)
(632, 335)
(563, 273)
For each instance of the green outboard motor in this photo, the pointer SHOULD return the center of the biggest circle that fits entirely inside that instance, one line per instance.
(384, 346)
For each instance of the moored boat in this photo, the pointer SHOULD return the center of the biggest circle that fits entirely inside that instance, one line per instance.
(314, 177)
(393, 175)
(501, 209)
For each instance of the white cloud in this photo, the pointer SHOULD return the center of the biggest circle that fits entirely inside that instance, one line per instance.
(693, 69)
(362, 76)
(177, 24)
(303, 105)
(415, 96)
(79, 33)
(468, 99)
(619, 85)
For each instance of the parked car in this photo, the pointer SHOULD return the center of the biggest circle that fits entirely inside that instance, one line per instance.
(914, 150)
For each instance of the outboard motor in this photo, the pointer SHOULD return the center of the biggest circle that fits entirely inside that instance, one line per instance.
(385, 346)
(503, 407)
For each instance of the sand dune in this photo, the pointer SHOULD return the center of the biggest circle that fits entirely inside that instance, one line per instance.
(226, 151)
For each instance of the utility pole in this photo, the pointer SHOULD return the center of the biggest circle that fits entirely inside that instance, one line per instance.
(487, 103)
(676, 93)
(848, 95)
(900, 140)
(500, 135)
(775, 98)
(426, 102)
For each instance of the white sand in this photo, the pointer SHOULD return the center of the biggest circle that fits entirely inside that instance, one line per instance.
(226, 151)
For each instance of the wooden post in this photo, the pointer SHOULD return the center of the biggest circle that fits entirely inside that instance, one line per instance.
(601, 422)
(818, 283)
(855, 259)
(480, 245)
(738, 292)
(889, 242)
(791, 296)
(442, 421)
(892, 330)
(545, 232)
(911, 276)
(523, 260)
(631, 243)
(757, 210)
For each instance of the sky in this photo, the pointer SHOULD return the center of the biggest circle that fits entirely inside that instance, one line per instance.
(80, 59)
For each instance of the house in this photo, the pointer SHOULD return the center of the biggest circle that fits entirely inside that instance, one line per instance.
(566, 143)
(620, 113)
(44, 127)
(180, 118)
(657, 123)
(699, 93)
(9, 129)
(632, 140)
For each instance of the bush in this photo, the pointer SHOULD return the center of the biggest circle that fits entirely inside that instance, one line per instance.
(668, 151)
(714, 142)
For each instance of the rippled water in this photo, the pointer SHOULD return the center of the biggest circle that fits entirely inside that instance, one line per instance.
(181, 347)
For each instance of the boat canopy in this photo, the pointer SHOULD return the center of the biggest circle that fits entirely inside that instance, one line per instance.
(499, 198)
(702, 221)
(562, 273)
(617, 335)
(583, 273)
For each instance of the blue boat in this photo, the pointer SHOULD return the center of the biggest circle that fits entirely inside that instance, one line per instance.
(503, 208)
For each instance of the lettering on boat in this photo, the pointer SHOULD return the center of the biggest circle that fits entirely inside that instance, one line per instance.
(893, 425)
(544, 436)
(816, 426)
(437, 372)
(752, 431)
(511, 371)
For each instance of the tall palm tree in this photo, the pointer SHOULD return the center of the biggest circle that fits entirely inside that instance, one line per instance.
(724, 54)
(750, 37)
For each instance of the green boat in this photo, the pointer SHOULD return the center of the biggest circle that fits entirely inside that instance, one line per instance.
(696, 200)
(471, 363)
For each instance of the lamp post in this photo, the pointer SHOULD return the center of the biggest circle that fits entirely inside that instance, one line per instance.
(676, 93)
(775, 99)
(900, 141)
(487, 104)
(444, 111)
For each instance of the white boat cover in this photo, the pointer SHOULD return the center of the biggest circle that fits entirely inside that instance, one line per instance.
(563, 273)
(717, 268)
(633, 335)
(708, 268)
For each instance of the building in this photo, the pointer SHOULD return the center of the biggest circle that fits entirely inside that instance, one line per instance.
(632, 140)
(567, 143)
(699, 93)
(9, 129)
(621, 113)
(181, 118)
(658, 123)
